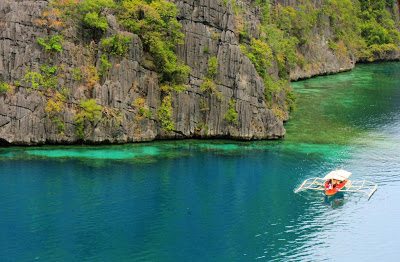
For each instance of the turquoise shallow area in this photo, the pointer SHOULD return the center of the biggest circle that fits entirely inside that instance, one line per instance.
(215, 200)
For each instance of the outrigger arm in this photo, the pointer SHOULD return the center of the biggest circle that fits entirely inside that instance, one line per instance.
(364, 186)
(314, 183)
(317, 183)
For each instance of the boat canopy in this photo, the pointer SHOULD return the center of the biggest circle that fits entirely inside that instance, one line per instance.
(338, 175)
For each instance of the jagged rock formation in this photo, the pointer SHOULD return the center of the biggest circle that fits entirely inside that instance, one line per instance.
(322, 60)
(131, 85)
(24, 120)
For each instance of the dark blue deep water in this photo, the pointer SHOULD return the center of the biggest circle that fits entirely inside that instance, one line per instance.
(218, 200)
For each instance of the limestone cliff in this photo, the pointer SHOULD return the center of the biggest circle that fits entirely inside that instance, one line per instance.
(320, 56)
(23, 115)
(44, 92)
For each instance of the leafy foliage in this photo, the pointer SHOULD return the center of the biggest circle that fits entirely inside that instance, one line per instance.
(290, 100)
(208, 84)
(77, 74)
(89, 111)
(4, 87)
(363, 28)
(35, 79)
(332, 45)
(49, 79)
(105, 65)
(89, 13)
(117, 45)
(52, 43)
(231, 114)
(212, 66)
(297, 22)
(139, 103)
(156, 24)
(164, 114)
(92, 20)
(90, 75)
(260, 54)
(53, 107)
(378, 28)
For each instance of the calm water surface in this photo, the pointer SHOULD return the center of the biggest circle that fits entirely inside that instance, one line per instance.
(218, 200)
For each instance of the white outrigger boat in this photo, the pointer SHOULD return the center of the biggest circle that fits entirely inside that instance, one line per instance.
(336, 181)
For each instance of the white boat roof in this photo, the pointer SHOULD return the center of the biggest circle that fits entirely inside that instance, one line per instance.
(338, 175)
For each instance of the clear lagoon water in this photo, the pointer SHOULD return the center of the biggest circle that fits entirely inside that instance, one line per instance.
(218, 200)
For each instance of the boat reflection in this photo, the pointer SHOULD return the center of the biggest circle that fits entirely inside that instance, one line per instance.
(335, 201)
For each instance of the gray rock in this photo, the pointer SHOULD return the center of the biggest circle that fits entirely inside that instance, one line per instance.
(131, 84)
(24, 119)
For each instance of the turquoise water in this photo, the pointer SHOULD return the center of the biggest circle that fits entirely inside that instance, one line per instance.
(218, 200)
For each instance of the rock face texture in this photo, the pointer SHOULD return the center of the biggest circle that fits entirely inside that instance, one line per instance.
(131, 87)
(325, 60)
(24, 119)
(322, 59)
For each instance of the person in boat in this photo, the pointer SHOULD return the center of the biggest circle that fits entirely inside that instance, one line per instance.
(328, 185)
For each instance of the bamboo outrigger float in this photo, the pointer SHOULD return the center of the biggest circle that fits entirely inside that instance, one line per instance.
(336, 181)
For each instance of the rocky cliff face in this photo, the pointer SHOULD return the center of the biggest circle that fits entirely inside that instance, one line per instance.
(320, 58)
(25, 120)
(129, 94)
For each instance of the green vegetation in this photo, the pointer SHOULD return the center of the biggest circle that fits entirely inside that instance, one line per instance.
(343, 19)
(105, 65)
(77, 74)
(290, 100)
(52, 43)
(89, 111)
(156, 24)
(4, 87)
(212, 67)
(47, 79)
(378, 27)
(168, 88)
(92, 20)
(260, 54)
(332, 45)
(117, 45)
(208, 83)
(35, 79)
(231, 114)
(88, 13)
(54, 106)
(297, 22)
(282, 30)
(154, 21)
(363, 28)
(164, 114)
(48, 71)
(143, 112)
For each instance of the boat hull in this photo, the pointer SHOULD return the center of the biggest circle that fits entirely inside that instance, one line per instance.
(331, 192)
